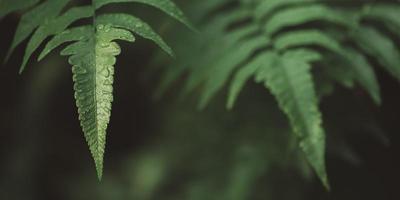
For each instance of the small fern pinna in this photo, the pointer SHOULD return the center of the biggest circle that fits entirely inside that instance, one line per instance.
(91, 48)
(297, 49)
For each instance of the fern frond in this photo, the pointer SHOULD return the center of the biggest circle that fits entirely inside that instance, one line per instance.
(92, 63)
(92, 53)
(235, 48)
(289, 80)
(337, 39)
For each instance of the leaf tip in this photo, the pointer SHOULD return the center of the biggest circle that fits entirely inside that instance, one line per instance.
(99, 168)
(325, 182)
(41, 56)
(21, 70)
(230, 103)
(8, 55)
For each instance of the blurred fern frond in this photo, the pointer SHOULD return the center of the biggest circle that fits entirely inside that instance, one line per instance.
(280, 44)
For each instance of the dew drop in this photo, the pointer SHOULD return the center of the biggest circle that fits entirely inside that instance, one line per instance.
(100, 27)
(106, 72)
(107, 28)
(104, 44)
(79, 70)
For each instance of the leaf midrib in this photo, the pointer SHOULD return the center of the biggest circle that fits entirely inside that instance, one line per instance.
(94, 36)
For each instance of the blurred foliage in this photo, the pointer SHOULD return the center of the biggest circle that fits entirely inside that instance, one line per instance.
(298, 49)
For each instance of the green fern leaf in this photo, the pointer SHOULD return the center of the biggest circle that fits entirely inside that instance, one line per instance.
(31, 20)
(387, 13)
(216, 28)
(166, 6)
(201, 70)
(301, 15)
(381, 47)
(342, 73)
(350, 68)
(93, 62)
(364, 74)
(307, 38)
(227, 63)
(289, 80)
(219, 24)
(70, 35)
(307, 55)
(265, 8)
(246, 72)
(53, 27)
(135, 25)
(9, 6)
